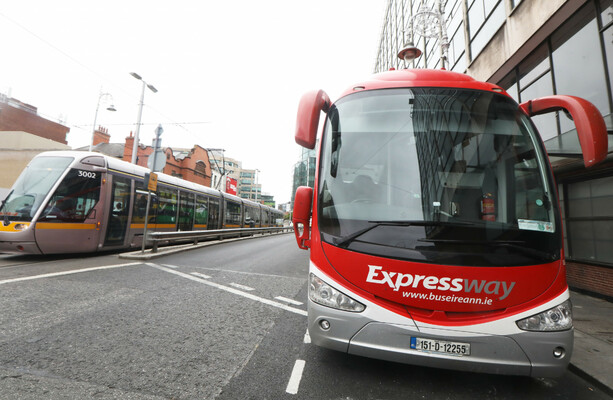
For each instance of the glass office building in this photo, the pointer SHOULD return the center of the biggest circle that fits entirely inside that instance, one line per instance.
(532, 48)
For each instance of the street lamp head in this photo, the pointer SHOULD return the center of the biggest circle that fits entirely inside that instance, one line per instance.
(137, 76)
(152, 88)
(409, 52)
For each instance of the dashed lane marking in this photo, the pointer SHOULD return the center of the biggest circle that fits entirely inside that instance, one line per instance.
(203, 276)
(241, 287)
(76, 271)
(294, 380)
(290, 301)
(307, 337)
(230, 289)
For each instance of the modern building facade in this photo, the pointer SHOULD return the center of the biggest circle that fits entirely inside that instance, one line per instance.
(532, 48)
(304, 171)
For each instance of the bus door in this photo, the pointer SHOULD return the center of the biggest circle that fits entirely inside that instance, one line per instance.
(69, 221)
(117, 210)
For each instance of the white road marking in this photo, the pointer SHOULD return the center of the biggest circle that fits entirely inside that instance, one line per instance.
(76, 271)
(198, 274)
(290, 301)
(294, 380)
(241, 287)
(307, 337)
(231, 290)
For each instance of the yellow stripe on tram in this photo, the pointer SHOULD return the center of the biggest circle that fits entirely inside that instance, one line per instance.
(61, 225)
(152, 226)
(12, 226)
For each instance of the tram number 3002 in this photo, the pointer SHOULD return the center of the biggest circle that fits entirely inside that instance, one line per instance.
(87, 174)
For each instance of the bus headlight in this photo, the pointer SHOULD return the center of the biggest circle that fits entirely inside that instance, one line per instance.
(559, 318)
(324, 294)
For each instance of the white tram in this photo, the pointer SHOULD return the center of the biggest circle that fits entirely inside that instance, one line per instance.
(81, 202)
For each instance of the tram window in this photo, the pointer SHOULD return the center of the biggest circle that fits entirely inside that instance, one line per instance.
(252, 217)
(74, 198)
(233, 214)
(140, 205)
(213, 222)
(202, 212)
(167, 206)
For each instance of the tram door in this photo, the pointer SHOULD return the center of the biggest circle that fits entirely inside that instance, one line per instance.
(186, 211)
(119, 207)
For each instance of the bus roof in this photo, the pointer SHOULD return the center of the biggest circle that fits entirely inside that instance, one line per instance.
(406, 78)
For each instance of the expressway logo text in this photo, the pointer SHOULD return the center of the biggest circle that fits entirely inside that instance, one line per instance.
(396, 280)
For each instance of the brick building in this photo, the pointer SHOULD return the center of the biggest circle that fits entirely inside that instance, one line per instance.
(18, 116)
(190, 164)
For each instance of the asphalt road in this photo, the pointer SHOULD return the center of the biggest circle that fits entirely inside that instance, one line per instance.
(222, 322)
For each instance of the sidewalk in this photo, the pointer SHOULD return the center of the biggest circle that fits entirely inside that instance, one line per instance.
(593, 350)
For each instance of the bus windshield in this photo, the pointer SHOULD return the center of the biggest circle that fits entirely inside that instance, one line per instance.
(32, 187)
(439, 175)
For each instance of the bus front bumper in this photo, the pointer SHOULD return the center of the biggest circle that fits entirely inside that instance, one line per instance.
(526, 353)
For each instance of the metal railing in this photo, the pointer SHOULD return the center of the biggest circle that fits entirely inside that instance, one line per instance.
(157, 238)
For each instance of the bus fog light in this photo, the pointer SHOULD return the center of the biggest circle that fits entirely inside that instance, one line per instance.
(324, 324)
(324, 294)
(559, 318)
(559, 352)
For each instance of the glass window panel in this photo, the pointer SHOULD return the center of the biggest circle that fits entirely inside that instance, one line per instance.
(476, 18)
(608, 45)
(509, 83)
(580, 55)
(167, 206)
(75, 197)
(546, 124)
(535, 65)
(494, 22)
(606, 15)
(490, 5)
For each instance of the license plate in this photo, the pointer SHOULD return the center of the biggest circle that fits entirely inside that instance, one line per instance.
(440, 346)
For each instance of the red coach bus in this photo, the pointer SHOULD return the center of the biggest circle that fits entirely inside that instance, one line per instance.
(434, 227)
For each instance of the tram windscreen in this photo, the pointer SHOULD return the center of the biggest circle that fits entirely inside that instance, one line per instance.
(439, 175)
(31, 188)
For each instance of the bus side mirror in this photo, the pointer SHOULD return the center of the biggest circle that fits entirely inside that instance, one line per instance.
(301, 218)
(307, 122)
(591, 128)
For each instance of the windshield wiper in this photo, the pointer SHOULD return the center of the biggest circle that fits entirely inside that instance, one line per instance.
(511, 244)
(346, 240)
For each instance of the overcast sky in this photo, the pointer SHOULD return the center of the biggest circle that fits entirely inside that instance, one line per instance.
(229, 74)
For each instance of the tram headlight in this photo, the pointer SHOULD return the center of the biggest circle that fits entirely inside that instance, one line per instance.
(324, 294)
(559, 318)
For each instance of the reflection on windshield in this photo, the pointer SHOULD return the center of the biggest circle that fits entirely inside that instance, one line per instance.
(434, 155)
(31, 188)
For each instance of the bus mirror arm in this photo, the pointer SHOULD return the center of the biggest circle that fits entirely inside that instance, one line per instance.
(310, 107)
(301, 217)
(590, 125)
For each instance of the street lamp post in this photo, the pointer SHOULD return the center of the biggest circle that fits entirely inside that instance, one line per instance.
(221, 170)
(140, 113)
(109, 108)
(429, 23)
